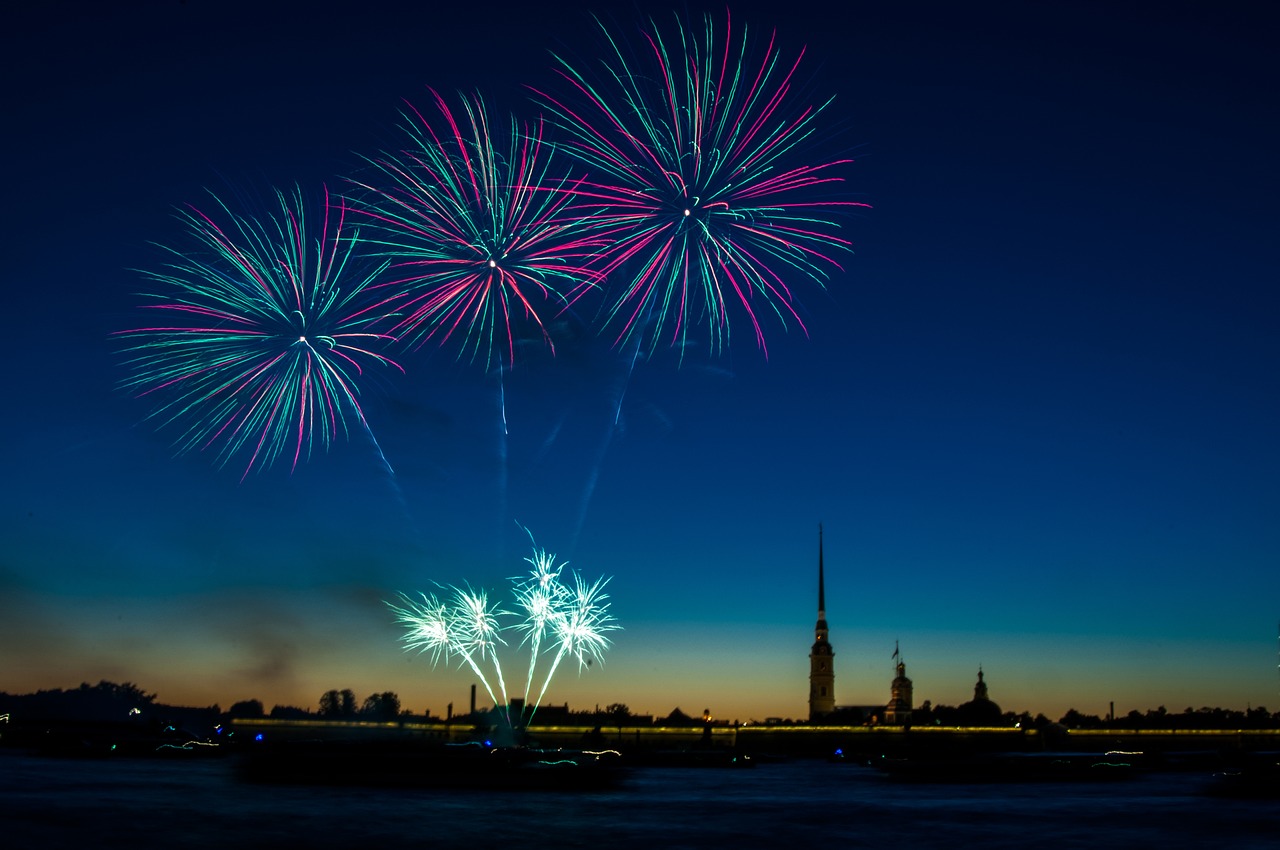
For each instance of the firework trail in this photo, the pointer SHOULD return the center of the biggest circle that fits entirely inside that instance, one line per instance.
(467, 627)
(697, 147)
(477, 634)
(267, 331)
(558, 621)
(579, 629)
(694, 147)
(542, 598)
(622, 384)
(483, 236)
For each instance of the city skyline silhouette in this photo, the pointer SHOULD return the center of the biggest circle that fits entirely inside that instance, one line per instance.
(1032, 403)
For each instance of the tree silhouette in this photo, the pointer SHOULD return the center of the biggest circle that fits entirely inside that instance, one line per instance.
(383, 706)
(246, 708)
(1075, 720)
(341, 703)
(330, 704)
(289, 712)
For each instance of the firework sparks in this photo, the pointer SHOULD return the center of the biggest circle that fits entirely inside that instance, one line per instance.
(579, 628)
(479, 237)
(268, 333)
(558, 620)
(541, 597)
(426, 624)
(467, 628)
(691, 149)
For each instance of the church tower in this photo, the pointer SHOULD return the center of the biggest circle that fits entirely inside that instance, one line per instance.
(822, 674)
(979, 711)
(898, 711)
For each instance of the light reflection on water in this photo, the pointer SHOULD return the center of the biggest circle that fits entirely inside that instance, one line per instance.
(162, 803)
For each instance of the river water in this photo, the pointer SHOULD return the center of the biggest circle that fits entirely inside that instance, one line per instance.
(797, 805)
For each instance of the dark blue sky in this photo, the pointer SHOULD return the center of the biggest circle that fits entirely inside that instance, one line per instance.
(1035, 414)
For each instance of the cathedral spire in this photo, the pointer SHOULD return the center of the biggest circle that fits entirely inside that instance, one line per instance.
(822, 601)
(822, 699)
(820, 628)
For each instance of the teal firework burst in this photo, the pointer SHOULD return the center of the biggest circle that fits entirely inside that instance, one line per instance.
(265, 336)
(698, 150)
(481, 231)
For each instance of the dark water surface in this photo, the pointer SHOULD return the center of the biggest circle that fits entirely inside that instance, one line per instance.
(795, 805)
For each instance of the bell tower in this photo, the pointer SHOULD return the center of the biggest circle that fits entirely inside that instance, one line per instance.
(898, 711)
(822, 674)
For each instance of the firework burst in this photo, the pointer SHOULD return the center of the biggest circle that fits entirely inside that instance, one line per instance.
(579, 626)
(467, 627)
(266, 334)
(481, 237)
(541, 596)
(692, 146)
(559, 621)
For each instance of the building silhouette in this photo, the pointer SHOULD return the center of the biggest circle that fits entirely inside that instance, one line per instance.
(898, 711)
(822, 674)
(981, 710)
(980, 689)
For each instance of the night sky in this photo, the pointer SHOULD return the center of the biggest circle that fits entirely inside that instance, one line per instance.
(1035, 413)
